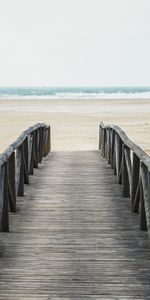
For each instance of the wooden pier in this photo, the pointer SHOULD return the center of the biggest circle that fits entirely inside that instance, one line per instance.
(74, 234)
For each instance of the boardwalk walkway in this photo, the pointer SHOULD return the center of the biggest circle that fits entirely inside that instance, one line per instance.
(73, 236)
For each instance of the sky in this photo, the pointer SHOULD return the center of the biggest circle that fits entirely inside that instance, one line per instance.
(74, 42)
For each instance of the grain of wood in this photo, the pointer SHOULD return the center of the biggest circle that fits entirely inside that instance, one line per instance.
(74, 236)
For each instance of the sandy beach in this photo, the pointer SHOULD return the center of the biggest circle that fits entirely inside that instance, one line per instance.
(74, 123)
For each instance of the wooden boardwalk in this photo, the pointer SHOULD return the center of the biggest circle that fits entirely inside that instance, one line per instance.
(73, 236)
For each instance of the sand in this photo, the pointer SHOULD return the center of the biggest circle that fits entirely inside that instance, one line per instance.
(74, 123)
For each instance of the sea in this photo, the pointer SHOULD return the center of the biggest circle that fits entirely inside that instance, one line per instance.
(74, 92)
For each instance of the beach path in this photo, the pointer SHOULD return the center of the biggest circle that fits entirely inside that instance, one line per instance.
(73, 236)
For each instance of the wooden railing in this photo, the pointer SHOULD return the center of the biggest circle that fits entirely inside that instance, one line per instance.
(17, 163)
(131, 165)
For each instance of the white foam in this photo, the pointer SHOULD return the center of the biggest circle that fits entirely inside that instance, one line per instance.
(67, 95)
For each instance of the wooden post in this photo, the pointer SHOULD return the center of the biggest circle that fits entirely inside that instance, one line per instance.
(44, 141)
(36, 150)
(103, 142)
(30, 154)
(148, 197)
(4, 219)
(125, 177)
(49, 139)
(118, 158)
(135, 179)
(110, 146)
(25, 160)
(136, 202)
(114, 155)
(20, 171)
(11, 175)
(112, 149)
(40, 144)
(143, 223)
(107, 151)
(100, 137)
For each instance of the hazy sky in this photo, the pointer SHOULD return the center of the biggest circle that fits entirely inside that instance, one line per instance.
(74, 42)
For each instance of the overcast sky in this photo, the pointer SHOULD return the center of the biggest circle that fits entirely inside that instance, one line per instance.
(74, 42)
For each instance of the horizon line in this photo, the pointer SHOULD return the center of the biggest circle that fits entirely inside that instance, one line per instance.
(75, 86)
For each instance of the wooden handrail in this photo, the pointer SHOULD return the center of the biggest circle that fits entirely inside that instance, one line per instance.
(17, 163)
(131, 165)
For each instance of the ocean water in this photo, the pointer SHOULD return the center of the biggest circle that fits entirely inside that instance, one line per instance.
(74, 92)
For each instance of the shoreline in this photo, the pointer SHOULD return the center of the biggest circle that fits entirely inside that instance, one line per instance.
(72, 99)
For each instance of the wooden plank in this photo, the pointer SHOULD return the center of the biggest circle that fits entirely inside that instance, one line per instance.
(74, 236)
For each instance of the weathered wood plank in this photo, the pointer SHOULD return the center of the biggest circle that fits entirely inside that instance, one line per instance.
(73, 236)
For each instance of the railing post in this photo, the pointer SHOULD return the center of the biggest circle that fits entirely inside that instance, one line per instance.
(148, 197)
(49, 139)
(11, 175)
(25, 160)
(36, 149)
(30, 154)
(100, 137)
(103, 142)
(44, 141)
(135, 178)
(107, 145)
(112, 148)
(118, 159)
(125, 178)
(20, 171)
(4, 220)
(114, 154)
(143, 223)
(40, 143)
